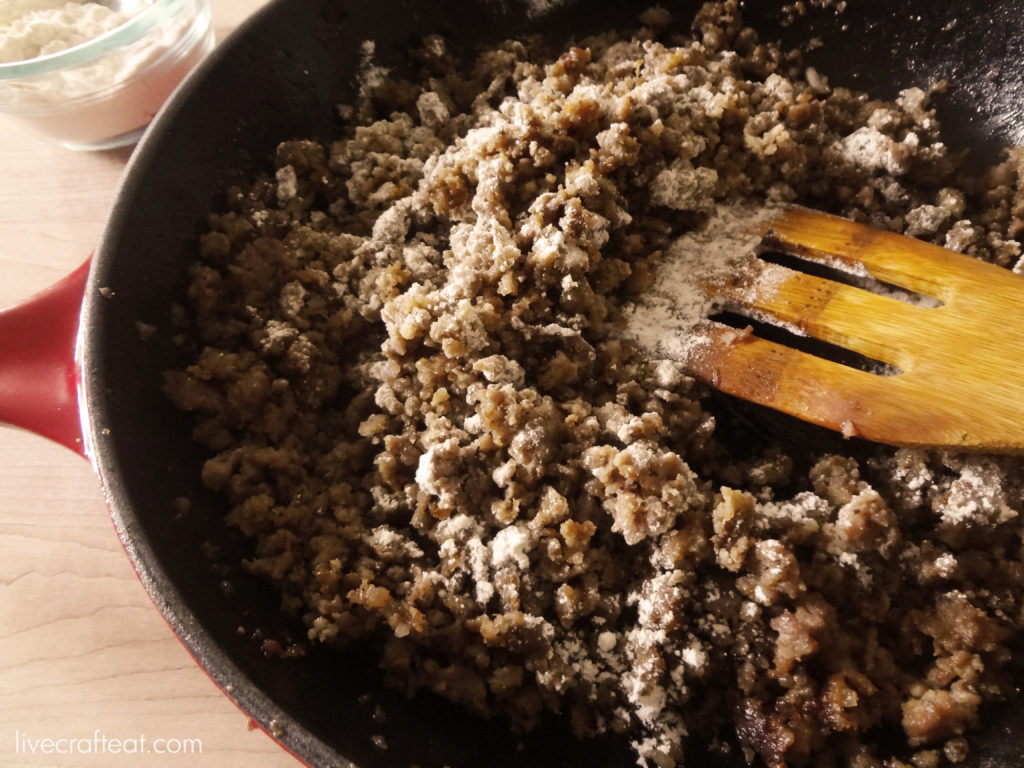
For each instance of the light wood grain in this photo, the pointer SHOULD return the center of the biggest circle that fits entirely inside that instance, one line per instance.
(83, 652)
(956, 383)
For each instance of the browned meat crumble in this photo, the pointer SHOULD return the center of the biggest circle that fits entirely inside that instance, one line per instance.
(417, 405)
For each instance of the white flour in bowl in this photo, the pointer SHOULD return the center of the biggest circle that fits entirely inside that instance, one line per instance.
(89, 101)
(33, 28)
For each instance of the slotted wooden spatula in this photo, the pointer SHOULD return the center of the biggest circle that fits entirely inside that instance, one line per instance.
(953, 373)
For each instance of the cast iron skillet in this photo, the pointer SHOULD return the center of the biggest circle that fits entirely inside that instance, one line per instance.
(279, 78)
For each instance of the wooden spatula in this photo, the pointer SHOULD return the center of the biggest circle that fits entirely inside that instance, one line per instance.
(950, 347)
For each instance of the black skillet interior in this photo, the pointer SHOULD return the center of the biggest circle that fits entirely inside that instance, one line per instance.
(280, 78)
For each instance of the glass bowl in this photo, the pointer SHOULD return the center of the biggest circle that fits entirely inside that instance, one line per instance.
(102, 93)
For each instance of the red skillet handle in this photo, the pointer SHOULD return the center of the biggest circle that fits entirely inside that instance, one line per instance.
(38, 366)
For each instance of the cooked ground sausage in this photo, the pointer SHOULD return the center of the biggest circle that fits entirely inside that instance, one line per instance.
(416, 402)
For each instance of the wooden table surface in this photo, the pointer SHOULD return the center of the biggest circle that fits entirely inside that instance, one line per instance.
(84, 655)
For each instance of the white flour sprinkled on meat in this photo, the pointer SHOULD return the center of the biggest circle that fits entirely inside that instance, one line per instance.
(410, 379)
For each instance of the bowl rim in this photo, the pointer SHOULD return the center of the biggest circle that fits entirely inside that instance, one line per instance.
(132, 30)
